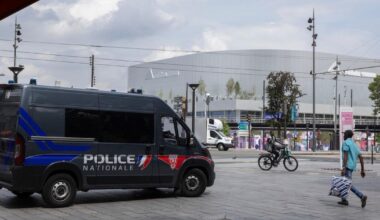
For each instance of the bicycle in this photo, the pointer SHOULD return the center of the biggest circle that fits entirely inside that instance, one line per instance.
(266, 160)
(377, 149)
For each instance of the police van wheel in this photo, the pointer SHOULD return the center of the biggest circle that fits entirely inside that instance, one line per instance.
(193, 183)
(59, 190)
(22, 195)
(220, 147)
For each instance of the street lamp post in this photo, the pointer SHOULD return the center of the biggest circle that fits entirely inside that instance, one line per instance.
(311, 27)
(209, 98)
(186, 102)
(336, 67)
(193, 86)
(16, 70)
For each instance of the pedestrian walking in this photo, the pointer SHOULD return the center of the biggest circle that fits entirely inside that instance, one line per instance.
(351, 153)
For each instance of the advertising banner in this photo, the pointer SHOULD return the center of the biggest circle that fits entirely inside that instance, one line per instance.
(346, 122)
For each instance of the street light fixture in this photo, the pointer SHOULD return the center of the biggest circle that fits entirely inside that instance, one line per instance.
(311, 27)
(209, 99)
(193, 86)
(16, 70)
(336, 69)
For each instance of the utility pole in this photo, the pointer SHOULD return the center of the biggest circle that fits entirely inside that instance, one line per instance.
(336, 100)
(92, 64)
(285, 109)
(187, 100)
(193, 86)
(249, 131)
(351, 96)
(16, 69)
(311, 21)
(263, 132)
(374, 139)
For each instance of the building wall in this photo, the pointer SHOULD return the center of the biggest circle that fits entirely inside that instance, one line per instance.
(167, 78)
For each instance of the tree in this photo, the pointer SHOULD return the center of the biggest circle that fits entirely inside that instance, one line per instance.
(282, 92)
(226, 128)
(237, 89)
(374, 88)
(230, 86)
(247, 95)
(170, 94)
(202, 87)
(161, 94)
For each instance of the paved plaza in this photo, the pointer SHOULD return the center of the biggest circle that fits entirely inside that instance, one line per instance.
(241, 191)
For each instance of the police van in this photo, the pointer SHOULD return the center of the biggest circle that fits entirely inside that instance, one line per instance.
(55, 141)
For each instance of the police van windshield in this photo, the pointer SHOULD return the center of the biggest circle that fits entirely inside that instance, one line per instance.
(10, 98)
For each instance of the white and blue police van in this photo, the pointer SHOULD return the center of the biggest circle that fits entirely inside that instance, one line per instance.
(56, 141)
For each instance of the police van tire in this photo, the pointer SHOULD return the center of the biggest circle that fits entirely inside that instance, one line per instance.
(220, 147)
(193, 183)
(22, 195)
(59, 190)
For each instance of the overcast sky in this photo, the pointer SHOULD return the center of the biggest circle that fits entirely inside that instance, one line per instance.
(349, 27)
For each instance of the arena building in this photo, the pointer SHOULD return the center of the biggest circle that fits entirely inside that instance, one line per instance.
(168, 78)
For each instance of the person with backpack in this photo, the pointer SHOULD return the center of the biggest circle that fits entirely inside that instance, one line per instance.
(351, 153)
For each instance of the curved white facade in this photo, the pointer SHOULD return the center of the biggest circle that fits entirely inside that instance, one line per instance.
(167, 79)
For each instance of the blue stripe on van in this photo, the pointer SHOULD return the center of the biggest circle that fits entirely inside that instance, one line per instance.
(29, 131)
(32, 123)
(44, 160)
(31, 127)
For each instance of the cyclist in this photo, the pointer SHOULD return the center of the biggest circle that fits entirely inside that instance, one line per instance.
(276, 146)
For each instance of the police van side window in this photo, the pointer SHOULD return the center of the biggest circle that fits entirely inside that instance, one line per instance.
(82, 123)
(173, 133)
(127, 127)
(108, 126)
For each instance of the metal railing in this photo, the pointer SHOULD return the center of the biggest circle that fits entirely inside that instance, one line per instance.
(302, 120)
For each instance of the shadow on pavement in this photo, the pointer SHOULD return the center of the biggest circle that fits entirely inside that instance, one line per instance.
(101, 196)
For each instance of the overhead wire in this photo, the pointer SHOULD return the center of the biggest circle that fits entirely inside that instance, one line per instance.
(189, 51)
(153, 62)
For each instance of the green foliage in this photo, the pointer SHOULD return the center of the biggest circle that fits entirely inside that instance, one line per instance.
(374, 88)
(282, 91)
(230, 86)
(325, 137)
(247, 95)
(237, 89)
(170, 94)
(202, 87)
(161, 94)
(226, 128)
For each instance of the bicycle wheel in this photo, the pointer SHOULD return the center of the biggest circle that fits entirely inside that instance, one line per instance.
(290, 163)
(265, 162)
(377, 149)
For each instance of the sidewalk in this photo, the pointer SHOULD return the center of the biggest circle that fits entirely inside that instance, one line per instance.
(250, 155)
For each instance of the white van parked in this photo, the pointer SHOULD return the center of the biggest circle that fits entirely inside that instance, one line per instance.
(209, 132)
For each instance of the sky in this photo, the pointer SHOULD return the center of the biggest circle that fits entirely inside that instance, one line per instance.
(58, 34)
